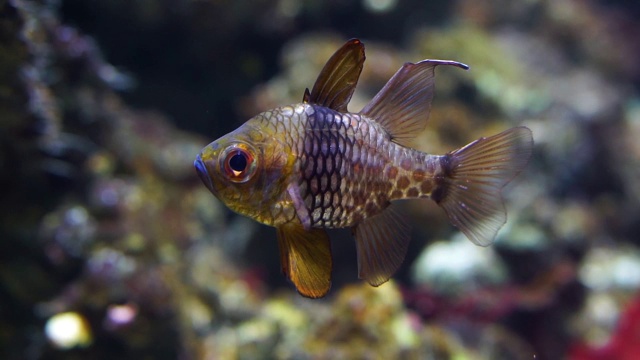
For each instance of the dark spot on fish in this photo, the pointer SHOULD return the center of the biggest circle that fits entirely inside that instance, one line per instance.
(359, 198)
(392, 172)
(413, 192)
(396, 194)
(377, 187)
(438, 193)
(403, 182)
(386, 187)
(418, 175)
(447, 163)
(371, 208)
(440, 190)
(426, 186)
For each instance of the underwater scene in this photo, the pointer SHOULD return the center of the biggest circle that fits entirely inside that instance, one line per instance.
(142, 220)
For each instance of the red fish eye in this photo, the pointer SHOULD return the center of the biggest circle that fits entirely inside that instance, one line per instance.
(238, 164)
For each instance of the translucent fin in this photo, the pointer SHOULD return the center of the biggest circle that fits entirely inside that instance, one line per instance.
(381, 242)
(469, 191)
(338, 79)
(402, 106)
(305, 258)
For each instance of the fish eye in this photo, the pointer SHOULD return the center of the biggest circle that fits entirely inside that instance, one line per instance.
(238, 163)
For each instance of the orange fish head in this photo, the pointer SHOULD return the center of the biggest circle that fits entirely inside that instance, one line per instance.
(247, 171)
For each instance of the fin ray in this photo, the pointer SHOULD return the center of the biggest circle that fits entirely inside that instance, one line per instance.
(305, 258)
(403, 105)
(338, 79)
(474, 177)
(381, 242)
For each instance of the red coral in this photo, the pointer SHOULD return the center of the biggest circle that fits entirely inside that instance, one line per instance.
(624, 343)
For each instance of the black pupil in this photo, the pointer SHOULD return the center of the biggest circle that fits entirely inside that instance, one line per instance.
(238, 162)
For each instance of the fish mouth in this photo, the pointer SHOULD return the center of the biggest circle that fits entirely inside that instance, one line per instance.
(201, 169)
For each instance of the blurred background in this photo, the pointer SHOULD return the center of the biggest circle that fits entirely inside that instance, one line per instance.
(110, 246)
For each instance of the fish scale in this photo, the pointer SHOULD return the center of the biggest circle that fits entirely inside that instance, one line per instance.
(340, 156)
(340, 159)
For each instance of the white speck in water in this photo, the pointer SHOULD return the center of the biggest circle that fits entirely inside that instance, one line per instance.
(68, 330)
(379, 6)
(121, 314)
(76, 216)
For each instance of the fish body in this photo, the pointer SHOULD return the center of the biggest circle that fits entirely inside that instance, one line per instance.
(311, 166)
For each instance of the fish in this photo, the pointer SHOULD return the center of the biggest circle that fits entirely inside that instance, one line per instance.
(312, 166)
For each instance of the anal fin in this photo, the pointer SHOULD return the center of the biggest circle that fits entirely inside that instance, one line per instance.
(305, 258)
(381, 243)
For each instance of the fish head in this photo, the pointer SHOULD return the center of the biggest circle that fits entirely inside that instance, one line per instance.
(247, 170)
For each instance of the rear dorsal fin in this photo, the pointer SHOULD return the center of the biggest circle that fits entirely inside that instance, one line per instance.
(402, 106)
(338, 79)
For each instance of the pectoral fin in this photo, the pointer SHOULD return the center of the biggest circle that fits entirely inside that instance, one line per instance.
(381, 242)
(337, 80)
(305, 258)
(298, 204)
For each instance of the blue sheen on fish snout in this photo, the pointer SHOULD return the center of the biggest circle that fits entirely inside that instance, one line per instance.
(202, 172)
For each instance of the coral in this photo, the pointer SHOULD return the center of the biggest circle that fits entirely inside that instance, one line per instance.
(624, 342)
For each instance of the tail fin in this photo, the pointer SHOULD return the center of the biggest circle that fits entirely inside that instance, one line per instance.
(469, 191)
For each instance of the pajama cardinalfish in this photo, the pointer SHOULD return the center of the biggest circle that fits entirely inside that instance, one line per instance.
(311, 166)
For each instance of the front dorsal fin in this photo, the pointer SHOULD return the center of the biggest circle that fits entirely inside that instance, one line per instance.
(402, 106)
(305, 258)
(337, 80)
